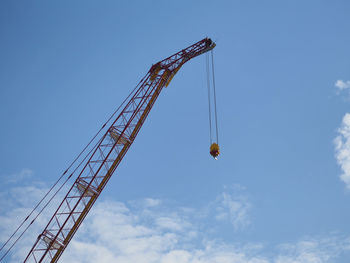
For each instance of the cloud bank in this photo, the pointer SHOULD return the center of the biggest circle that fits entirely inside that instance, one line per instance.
(157, 231)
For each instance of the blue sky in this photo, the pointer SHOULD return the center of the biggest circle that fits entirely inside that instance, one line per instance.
(280, 190)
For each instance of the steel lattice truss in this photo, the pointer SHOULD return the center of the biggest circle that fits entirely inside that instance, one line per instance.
(107, 155)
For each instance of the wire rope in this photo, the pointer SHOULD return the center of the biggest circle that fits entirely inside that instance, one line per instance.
(216, 116)
(48, 202)
(209, 100)
(59, 179)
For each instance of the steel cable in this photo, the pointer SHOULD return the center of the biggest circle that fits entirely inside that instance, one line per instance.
(47, 203)
(211, 122)
(216, 116)
(59, 179)
(209, 100)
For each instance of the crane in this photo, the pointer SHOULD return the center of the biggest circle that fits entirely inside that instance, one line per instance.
(107, 155)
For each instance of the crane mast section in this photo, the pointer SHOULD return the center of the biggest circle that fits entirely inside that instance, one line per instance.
(107, 155)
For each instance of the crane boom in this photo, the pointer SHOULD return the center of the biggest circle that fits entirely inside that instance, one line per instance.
(107, 155)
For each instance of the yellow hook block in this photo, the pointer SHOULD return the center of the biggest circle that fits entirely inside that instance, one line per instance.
(214, 150)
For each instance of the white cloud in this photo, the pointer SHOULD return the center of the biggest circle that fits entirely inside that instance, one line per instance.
(232, 205)
(342, 149)
(313, 250)
(150, 202)
(23, 175)
(174, 224)
(342, 85)
(125, 232)
(146, 203)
